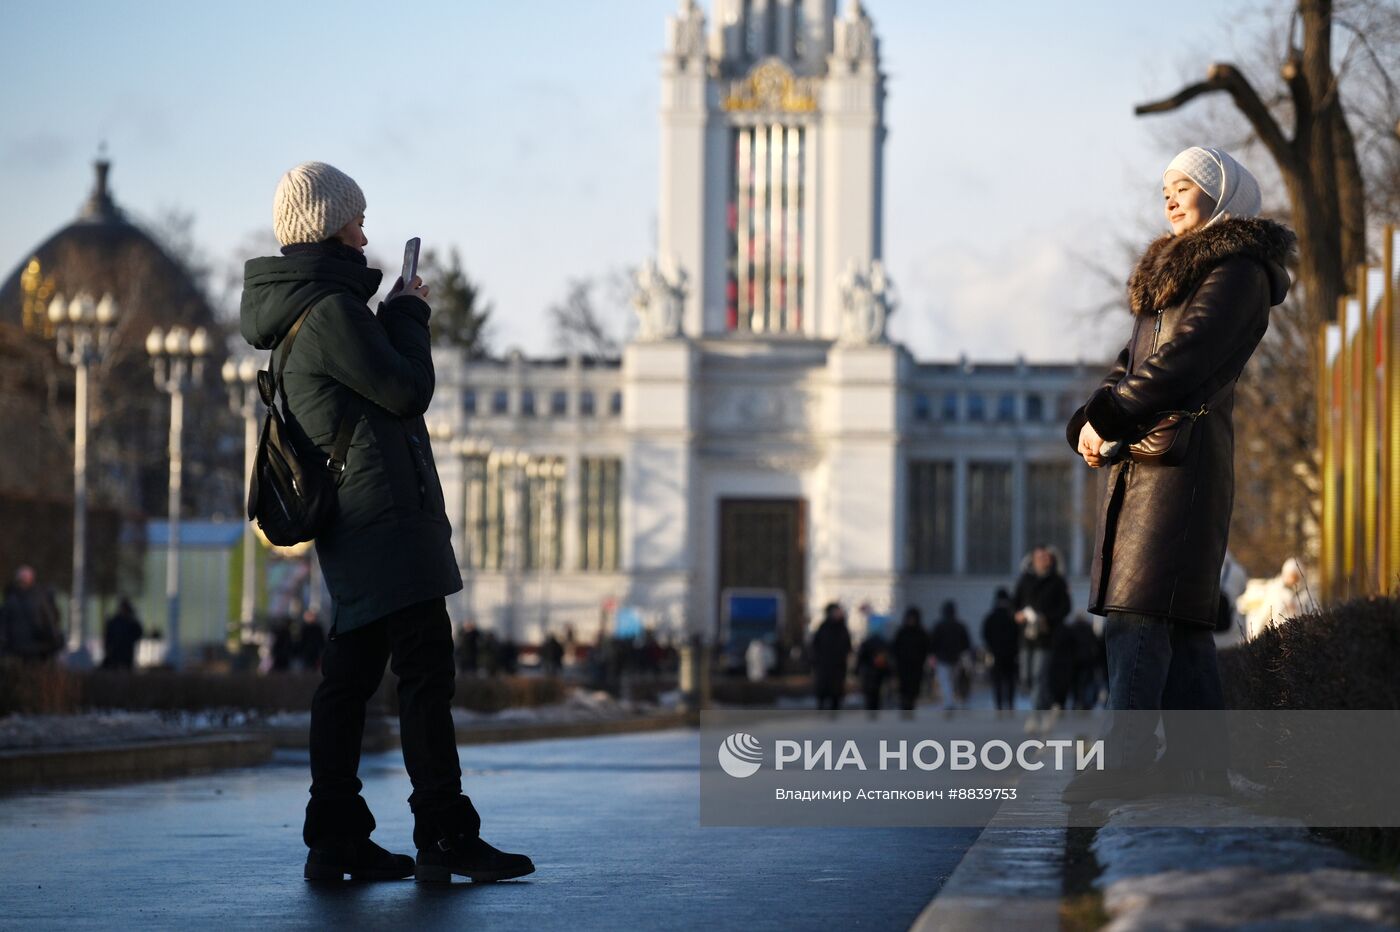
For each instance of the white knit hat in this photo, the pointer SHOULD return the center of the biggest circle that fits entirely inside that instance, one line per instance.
(1228, 183)
(313, 201)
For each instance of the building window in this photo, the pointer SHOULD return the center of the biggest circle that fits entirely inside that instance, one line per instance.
(989, 518)
(600, 514)
(950, 406)
(559, 403)
(585, 404)
(1006, 408)
(615, 404)
(527, 403)
(922, 407)
(930, 532)
(542, 515)
(764, 275)
(1050, 506)
(469, 401)
(500, 401)
(976, 407)
(1035, 408)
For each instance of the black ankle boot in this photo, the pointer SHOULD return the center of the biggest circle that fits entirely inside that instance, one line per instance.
(470, 857)
(361, 858)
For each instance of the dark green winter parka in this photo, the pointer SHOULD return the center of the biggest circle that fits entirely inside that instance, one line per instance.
(390, 544)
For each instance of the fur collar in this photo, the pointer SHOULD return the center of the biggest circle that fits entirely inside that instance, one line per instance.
(1172, 266)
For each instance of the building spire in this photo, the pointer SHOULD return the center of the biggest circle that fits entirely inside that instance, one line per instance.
(100, 206)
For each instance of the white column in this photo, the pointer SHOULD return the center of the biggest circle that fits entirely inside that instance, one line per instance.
(1019, 500)
(761, 322)
(744, 203)
(960, 515)
(791, 306)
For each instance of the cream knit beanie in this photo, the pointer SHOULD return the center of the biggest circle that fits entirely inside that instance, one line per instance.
(313, 201)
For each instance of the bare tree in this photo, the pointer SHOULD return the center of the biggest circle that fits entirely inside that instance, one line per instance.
(579, 326)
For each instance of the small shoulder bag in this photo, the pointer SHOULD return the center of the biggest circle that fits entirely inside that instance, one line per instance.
(1169, 439)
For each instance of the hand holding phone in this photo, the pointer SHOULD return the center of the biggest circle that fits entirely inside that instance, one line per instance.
(409, 282)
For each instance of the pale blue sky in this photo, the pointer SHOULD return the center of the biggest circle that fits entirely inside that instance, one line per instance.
(525, 133)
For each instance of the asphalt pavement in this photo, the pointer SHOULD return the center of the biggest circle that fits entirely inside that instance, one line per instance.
(612, 824)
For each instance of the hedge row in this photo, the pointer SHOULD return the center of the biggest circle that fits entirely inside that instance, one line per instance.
(26, 688)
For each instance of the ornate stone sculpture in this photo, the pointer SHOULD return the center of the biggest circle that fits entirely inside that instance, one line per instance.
(867, 300)
(659, 299)
(854, 46)
(687, 33)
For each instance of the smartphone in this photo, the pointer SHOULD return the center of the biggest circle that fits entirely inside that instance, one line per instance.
(410, 261)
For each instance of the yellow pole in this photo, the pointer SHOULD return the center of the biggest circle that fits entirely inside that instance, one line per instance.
(1347, 360)
(1390, 417)
(1327, 507)
(1366, 440)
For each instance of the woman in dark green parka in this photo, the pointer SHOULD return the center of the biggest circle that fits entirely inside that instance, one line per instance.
(387, 557)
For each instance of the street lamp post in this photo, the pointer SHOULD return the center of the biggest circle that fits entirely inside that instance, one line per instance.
(241, 377)
(177, 356)
(84, 333)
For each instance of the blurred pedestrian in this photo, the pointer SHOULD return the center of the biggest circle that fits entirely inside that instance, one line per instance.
(1041, 604)
(910, 649)
(1200, 298)
(359, 382)
(552, 655)
(831, 651)
(311, 641)
(120, 635)
(1276, 600)
(1085, 649)
(284, 647)
(467, 647)
(758, 658)
(1002, 638)
(949, 644)
(29, 625)
(872, 667)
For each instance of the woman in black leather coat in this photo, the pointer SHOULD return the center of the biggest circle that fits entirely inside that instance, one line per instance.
(1200, 298)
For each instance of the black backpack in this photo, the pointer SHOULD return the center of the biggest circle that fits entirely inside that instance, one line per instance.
(292, 496)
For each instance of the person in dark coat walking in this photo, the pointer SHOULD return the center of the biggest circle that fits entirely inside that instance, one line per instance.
(311, 642)
(1041, 603)
(120, 635)
(387, 556)
(872, 668)
(911, 646)
(949, 643)
(1002, 638)
(29, 625)
(468, 647)
(1200, 298)
(831, 651)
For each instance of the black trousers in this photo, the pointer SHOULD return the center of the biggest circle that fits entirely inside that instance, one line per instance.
(418, 641)
(1004, 677)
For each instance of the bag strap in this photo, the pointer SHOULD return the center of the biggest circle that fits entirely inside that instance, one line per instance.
(277, 383)
(346, 429)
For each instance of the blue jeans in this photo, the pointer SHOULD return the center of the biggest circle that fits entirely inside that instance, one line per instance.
(1153, 665)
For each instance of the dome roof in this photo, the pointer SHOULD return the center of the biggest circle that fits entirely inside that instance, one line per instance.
(101, 252)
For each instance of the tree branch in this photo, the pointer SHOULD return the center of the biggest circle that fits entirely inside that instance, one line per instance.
(1227, 78)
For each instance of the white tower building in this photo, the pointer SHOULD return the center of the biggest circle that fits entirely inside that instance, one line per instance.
(761, 433)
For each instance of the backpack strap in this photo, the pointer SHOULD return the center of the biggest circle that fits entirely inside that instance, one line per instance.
(345, 431)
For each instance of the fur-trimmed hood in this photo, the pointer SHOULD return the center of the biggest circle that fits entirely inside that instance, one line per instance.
(1173, 265)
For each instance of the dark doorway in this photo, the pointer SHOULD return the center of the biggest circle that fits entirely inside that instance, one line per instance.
(763, 545)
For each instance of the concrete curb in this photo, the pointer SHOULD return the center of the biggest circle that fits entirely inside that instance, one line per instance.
(48, 768)
(383, 735)
(1012, 878)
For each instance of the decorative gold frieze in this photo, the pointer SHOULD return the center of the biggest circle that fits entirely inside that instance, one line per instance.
(771, 87)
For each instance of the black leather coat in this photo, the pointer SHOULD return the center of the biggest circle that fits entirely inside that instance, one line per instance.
(1201, 305)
